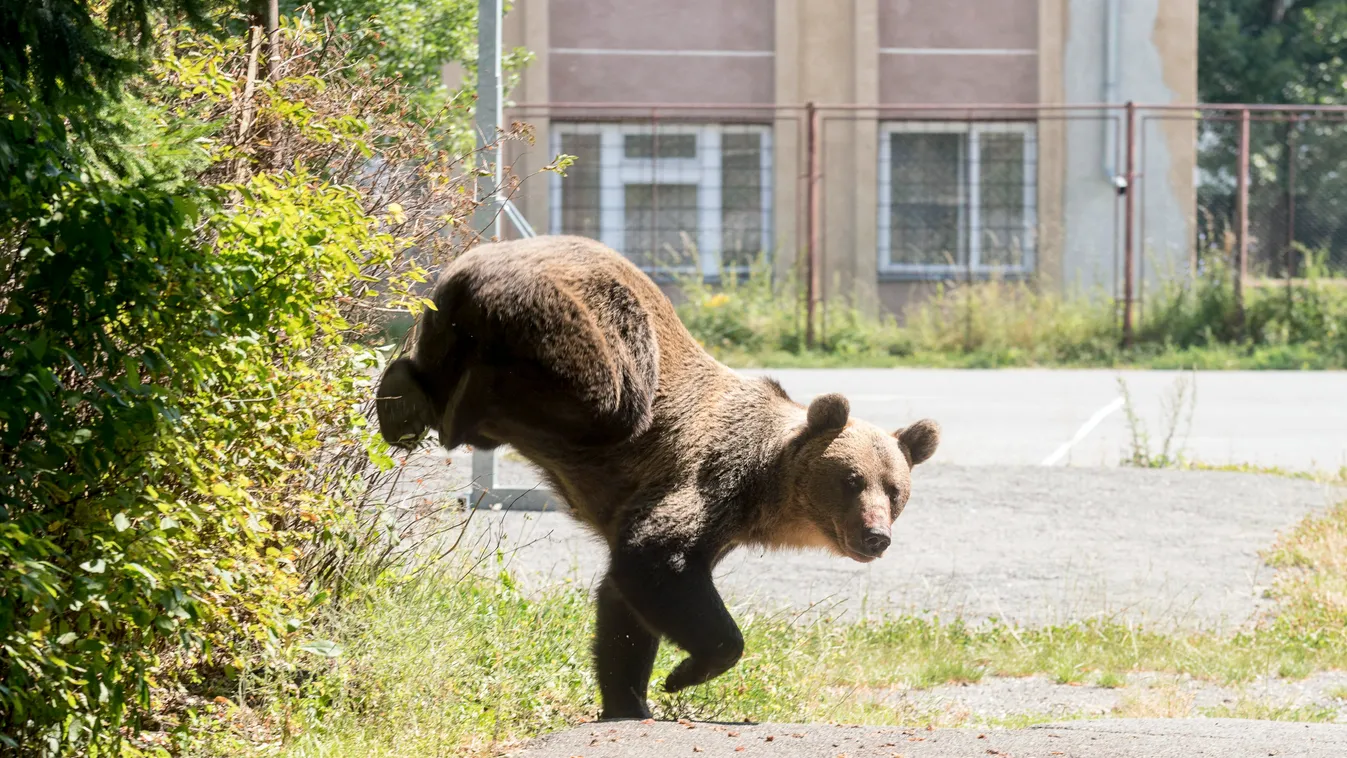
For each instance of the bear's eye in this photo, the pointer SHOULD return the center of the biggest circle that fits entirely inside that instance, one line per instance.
(855, 481)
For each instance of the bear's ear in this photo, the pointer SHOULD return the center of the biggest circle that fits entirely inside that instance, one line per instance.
(919, 440)
(828, 413)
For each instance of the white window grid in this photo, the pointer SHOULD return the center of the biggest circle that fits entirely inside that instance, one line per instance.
(969, 207)
(616, 171)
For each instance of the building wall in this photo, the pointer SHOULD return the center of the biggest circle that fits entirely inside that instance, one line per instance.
(885, 53)
(654, 51)
(831, 62)
(1052, 159)
(955, 52)
(1157, 44)
(958, 51)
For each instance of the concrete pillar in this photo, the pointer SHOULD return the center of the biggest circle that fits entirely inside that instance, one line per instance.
(526, 25)
(788, 140)
(828, 53)
(1051, 145)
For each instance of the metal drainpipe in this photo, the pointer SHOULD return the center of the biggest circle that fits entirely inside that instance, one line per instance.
(1112, 50)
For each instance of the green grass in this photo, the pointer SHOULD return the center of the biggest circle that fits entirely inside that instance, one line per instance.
(1328, 477)
(463, 662)
(1208, 358)
(470, 664)
(1162, 701)
(1111, 680)
(1266, 710)
(758, 321)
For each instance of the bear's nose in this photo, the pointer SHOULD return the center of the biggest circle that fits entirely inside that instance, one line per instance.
(876, 540)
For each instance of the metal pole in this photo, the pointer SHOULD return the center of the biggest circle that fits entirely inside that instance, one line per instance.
(654, 251)
(273, 40)
(488, 122)
(1129, 218)
(1242, 214)
(812, 219)
(273, 159)
(1140, 294)
(1291, 148)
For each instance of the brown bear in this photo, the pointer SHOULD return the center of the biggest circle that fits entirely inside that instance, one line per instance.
(561, 348)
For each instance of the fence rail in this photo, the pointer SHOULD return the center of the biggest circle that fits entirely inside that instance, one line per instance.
(1110, 193)
(1103, 194)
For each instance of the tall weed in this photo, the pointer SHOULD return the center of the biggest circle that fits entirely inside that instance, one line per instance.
(756, 319)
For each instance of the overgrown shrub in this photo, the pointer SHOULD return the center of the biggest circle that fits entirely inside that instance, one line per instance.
(758, 319)
(752, 317)
(997, 323)
(181, 370)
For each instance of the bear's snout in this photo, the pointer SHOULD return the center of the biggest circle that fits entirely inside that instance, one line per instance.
(865, 542)
(876, 540)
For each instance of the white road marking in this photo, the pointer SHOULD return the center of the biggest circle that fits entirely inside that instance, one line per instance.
(1084, 431)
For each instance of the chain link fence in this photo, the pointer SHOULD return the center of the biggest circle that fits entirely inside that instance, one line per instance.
(1295, 192)
(1113, 197)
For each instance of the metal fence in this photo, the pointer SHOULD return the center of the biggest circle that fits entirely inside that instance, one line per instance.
(1112, 194)
(1273, 187)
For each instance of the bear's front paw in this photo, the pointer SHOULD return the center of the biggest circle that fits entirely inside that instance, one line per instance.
(695, 670)
(684, 675)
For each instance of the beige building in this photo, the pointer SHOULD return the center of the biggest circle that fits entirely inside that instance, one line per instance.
(688, 120)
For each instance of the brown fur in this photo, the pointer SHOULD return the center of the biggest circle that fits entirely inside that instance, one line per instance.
(563, 349)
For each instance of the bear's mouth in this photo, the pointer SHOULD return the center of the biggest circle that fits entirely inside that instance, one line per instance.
(842, 546)
(855, 555)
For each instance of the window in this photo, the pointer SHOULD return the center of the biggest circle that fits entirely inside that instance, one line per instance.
(674, 198)
(956, 196)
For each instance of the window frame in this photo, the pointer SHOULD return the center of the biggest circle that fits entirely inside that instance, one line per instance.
(704, 171)
(970, 206)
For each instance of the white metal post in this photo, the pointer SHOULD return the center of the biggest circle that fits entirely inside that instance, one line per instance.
(488, 121)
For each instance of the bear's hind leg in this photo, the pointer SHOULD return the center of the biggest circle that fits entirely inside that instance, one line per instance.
(624, 654)
(675, 597)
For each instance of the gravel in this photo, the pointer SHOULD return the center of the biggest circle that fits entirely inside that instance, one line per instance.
(1007, 698)
(1010, 540)
(1026, 544)
(1119, 738)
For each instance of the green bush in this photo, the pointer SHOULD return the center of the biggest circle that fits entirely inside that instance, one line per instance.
(182, 375)
(997, 323)
(753, 317)
(758, 320)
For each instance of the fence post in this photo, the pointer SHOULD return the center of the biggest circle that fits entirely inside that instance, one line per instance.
(273, 156)
(1291, 147)
(811, 222)
(1129, 222)
(654, 226)
(1242, 215)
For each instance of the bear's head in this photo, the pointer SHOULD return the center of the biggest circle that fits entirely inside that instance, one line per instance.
(853, 478)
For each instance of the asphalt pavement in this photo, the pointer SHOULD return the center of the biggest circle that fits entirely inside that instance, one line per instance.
(1290, 419)
(1024, 514)
(1115, 738)
(1027, 544)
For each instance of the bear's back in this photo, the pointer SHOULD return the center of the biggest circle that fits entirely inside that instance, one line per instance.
(514, 275)
(584, 340)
